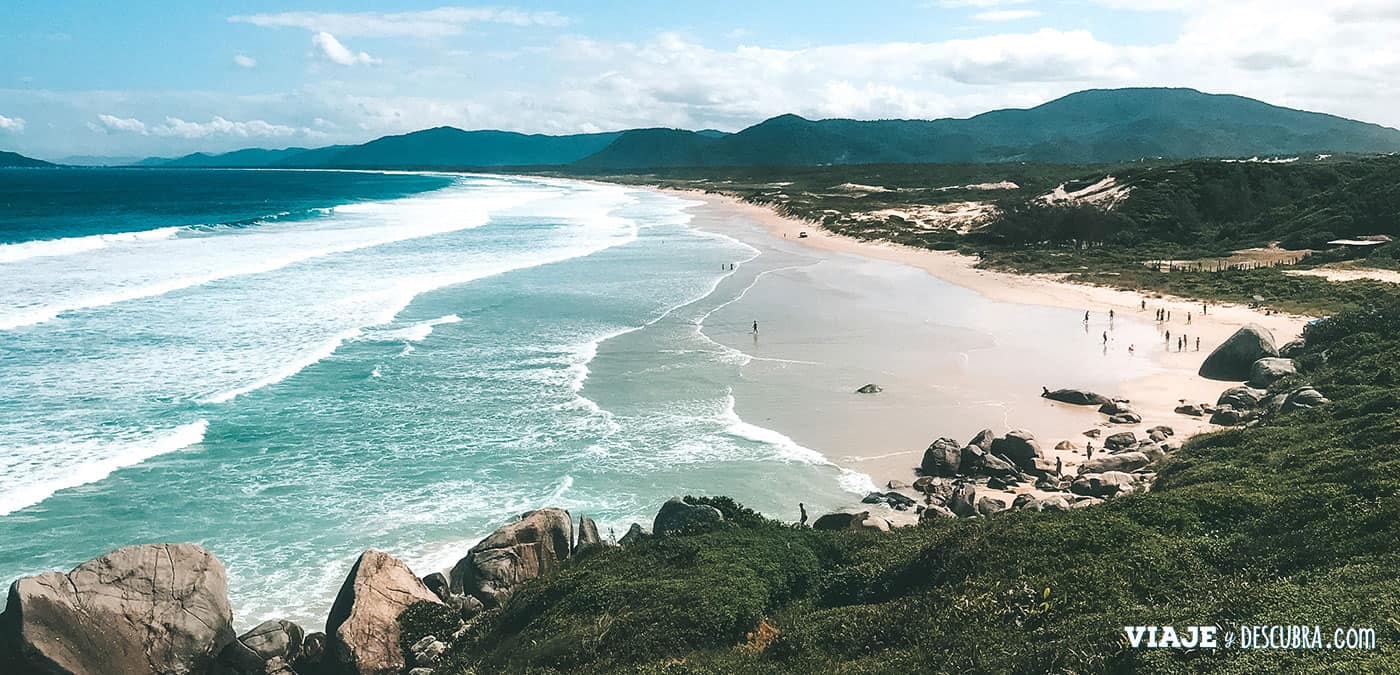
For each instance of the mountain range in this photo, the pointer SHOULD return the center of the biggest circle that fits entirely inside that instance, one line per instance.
(1100, 125)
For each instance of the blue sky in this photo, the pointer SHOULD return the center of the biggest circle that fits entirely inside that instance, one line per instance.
(157, 77)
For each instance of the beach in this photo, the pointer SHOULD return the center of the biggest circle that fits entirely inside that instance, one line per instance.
(876, 318)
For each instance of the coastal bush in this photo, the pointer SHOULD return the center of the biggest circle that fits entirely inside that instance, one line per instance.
(1294, 521)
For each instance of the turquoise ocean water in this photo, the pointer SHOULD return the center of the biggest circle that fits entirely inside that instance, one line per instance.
(291, 367)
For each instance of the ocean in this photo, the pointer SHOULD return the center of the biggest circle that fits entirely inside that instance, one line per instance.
(289, 367)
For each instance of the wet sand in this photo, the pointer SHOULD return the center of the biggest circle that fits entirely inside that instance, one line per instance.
(956, 349)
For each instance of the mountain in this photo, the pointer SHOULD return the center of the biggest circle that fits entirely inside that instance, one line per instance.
(452, 147)
(14, 159)
(1090, 126)
(1095, 126)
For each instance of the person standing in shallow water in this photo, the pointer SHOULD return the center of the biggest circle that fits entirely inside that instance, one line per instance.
(755, 328)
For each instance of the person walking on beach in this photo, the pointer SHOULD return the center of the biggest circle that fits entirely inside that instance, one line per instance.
(1086, 317)
(1105, 337)
(1144, 305)
(1169, 337)
(1110, 315)
(755, 328)
(1198, 344)
(1089, 447)
(1131, 349)
(1188, 318)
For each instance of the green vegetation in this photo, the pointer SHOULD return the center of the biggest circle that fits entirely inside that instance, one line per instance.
(1294, 521)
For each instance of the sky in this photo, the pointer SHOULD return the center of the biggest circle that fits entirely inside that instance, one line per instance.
(158, 77)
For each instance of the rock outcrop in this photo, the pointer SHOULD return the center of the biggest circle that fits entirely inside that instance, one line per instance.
(253, 650)
(1303, 398)
(1120, 441)
(942, 458)
(529, 548)
(870, 389)
(1234, 358)
(363, 627)
(155, 608)
(1107, 484)
(588, 538)
(1242, 397)
(1019, 446)
(676, 516)
(1076, 397)
(1123, 461)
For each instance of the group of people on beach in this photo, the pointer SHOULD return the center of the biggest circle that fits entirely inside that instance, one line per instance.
(1163, 315)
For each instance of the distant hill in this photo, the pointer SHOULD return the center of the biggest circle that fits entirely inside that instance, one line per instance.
(15, 160)
(1095, 126)
(1090, 126)
(97, 160)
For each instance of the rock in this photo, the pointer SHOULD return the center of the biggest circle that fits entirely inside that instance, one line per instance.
(1293, 349)
(1153, 452)
(1126, 418)
(897, 499)
(1075, 397)
(1066, 445)
(1303, 398)
(1120, 440)
(588, 537)
(935, 512)
(1126, 461)
(1055, 503)
(1226, 415)
(253, 650)
(983, 440)
(1084, 502)
(962, 501)
(313, 652)
(277, 666)
(1156, 436)
(1043, 467)
(1019, 446)
(1268, 370)
(1048, 484)
(835, 521)
(1114, 407)
(998, 466)
(437, 583)
(865, 521)
(1022, 501)
(1107, 484)
(942, 458)
(155, 608)
(970, 459)
(897, 485)
(938, 488)
(870, 389)
(363, 625)
(633, 535)
(427, 651)
(873, 498)
(530, 548)
(987, 506)
(1235, 356)
(1093, 433)
(1242, 397)
(421, 671)
(677, 516)
(1190, 409)
(1163, 429)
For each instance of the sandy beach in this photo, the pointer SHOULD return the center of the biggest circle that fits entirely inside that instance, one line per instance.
(884, 435)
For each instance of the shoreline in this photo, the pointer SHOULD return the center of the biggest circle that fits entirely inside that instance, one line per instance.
(1172, 379)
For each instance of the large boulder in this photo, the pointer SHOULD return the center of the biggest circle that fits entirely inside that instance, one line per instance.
(1268, 370)
(1019, 446)
(1119, 441)
(1227, 416)
(1191, 409)
(1242, 397)
(942, 458)
(1234, 358)
(677, 516)
(363, 628)
(936, 488)
(998, 466)
(1107, 484)
(155, 608)
(529, 548)
(1076, 397)
(834, 521)
(1125, 461)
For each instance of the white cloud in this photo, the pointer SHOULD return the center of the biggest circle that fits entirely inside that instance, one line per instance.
(174, 127)
(244, 61)
(112, 123)
(1006, 15)
(426, 23)
(11, 124)
(332, 49)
